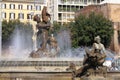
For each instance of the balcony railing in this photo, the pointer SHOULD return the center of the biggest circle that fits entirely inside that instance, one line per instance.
(64, 9)
(78, 2)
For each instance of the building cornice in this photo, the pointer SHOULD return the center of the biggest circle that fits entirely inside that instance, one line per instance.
(25, 1)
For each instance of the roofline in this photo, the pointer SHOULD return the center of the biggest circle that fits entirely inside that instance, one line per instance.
(24, 1)
(111, 3)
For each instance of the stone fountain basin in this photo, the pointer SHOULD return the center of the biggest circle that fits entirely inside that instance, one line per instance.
(38, 64)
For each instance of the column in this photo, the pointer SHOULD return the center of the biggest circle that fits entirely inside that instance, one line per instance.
(116, 44)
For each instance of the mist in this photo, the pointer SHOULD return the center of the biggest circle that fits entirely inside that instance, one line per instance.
(21, 42)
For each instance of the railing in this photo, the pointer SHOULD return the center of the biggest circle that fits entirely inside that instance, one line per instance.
(78, 2)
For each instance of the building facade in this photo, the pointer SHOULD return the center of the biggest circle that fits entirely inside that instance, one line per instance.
(63, 11)
(112, 12)
(21, 9)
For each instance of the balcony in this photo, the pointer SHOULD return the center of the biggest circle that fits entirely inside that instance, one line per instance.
(69, 8)
(69, 2)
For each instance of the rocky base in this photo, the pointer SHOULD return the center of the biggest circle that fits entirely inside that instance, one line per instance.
(93, 78)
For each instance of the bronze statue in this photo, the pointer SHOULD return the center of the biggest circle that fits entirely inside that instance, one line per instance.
(53, 42)
(53, 45)
(43, 27)
(45, 15)
(99, 50)
(93, 60)
(98, 47)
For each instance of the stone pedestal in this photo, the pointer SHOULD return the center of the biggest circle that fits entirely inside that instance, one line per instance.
(116, 43)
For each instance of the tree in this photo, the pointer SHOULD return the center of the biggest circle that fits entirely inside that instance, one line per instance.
(58, 27)
(85, 28)
(7, 30)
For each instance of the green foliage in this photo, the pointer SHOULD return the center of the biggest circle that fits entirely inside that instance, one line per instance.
(58, 27)
(85, 28)
(7, 29)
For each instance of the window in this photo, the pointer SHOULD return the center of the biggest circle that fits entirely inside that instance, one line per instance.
(29, 16)
(3, 6)
(21, 16)
(29, 7)
(12, 6)
(38, 8)
(60, 16)
(94, 1)
(3, 15)
(38, 15)
(12, 15)
(20, 6)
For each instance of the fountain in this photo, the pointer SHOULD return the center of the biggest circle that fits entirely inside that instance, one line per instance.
(44, 60)
(93, 60)
(0, 39)
(49, 43)
(53, 59)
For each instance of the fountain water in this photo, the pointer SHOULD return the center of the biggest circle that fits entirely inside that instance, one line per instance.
(0, 28)
(21, 43)
(64, 42)
(20, 50)
(0, 37)
(34, 37)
